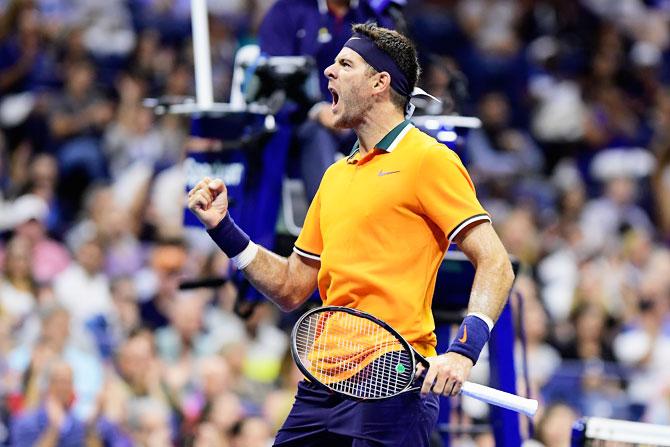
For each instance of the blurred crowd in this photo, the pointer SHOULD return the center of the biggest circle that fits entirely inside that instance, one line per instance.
(98, 346)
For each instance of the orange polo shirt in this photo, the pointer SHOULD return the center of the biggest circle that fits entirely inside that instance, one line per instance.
(380, 226)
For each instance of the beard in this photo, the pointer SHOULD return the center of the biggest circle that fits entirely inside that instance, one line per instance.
(346, 121)
(353, 108)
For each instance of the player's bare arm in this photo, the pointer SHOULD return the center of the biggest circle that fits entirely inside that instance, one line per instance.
(493, 270)
(288, 282)
(490, 289)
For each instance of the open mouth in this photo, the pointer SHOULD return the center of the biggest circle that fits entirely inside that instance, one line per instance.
(336, 97)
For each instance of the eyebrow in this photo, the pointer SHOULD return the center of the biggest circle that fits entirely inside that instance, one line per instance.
(343, 59)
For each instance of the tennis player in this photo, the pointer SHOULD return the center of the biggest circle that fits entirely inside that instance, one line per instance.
(373, 239)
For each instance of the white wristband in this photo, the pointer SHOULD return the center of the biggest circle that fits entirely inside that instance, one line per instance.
(485, 318)
(245, 257)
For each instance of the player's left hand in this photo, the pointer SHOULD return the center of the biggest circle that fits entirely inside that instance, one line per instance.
(446, 374)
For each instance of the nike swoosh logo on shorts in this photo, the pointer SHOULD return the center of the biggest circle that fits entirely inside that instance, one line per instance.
(386, 172)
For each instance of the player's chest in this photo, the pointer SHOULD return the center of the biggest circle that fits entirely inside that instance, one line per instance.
(373, 192)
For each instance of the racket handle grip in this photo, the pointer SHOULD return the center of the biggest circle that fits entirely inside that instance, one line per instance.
(500, 398)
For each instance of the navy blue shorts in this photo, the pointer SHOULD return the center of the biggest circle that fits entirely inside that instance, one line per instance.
(320, 418)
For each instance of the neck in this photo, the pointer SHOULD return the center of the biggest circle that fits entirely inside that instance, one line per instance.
(378, 122)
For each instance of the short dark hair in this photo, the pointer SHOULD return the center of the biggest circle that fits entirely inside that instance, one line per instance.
(399, 48)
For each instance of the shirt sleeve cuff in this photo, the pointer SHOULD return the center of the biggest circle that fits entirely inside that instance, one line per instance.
(306, 254)
(458, 228)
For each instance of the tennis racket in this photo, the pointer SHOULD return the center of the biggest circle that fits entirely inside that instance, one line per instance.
(357, 355)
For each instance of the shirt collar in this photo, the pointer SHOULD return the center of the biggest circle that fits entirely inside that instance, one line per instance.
(390, 140)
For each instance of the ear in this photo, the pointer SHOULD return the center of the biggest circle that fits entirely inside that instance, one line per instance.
(382, 81)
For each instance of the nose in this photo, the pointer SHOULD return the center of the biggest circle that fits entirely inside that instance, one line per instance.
(329, 72)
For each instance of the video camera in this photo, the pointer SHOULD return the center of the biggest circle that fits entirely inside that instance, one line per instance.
(272, 81)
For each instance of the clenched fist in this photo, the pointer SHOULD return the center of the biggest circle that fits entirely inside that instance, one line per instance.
(208, 200)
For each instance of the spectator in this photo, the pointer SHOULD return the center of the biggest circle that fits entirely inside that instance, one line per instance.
(658, 410)
(158, 285)
(609, 121)
(150, 423)
(209, 436)
(53, 423)
(21, 47)
(132, 137)
(558, 114)
(17, 285)
(83, 289)
(634, 18)
(591, 339)
(227, 411)
(661, 147)
(490, 24)
(31, 358)
(144, 58)
(520, 235)
(277, 404)
(251, 432)
(444, 80)
(644, 85)
(501, 155)
(79, 115)
(558, 270)
(214, 377)
(265, 348)
(604, 217)
(124, 297)
(169, 18)
(49, 257)
(119, 230)
(555, 424)
(491, 28)
(223, 44)
(645, 341)
(114, 225)
(137, 376)
(196, 399)
(42, 182)
(543, 360)
(108, 31)
(184, 337)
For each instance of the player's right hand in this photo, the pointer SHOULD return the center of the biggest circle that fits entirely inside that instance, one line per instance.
(208, 200)
(446, 374)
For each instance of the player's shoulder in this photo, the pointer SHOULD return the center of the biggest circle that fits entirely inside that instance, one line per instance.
(336, 167)
(426, 146)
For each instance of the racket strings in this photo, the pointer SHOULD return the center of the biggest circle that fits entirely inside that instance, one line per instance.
(353, 355)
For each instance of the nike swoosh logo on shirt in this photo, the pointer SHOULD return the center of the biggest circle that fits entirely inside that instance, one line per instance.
(386, 172)
(464, 338)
